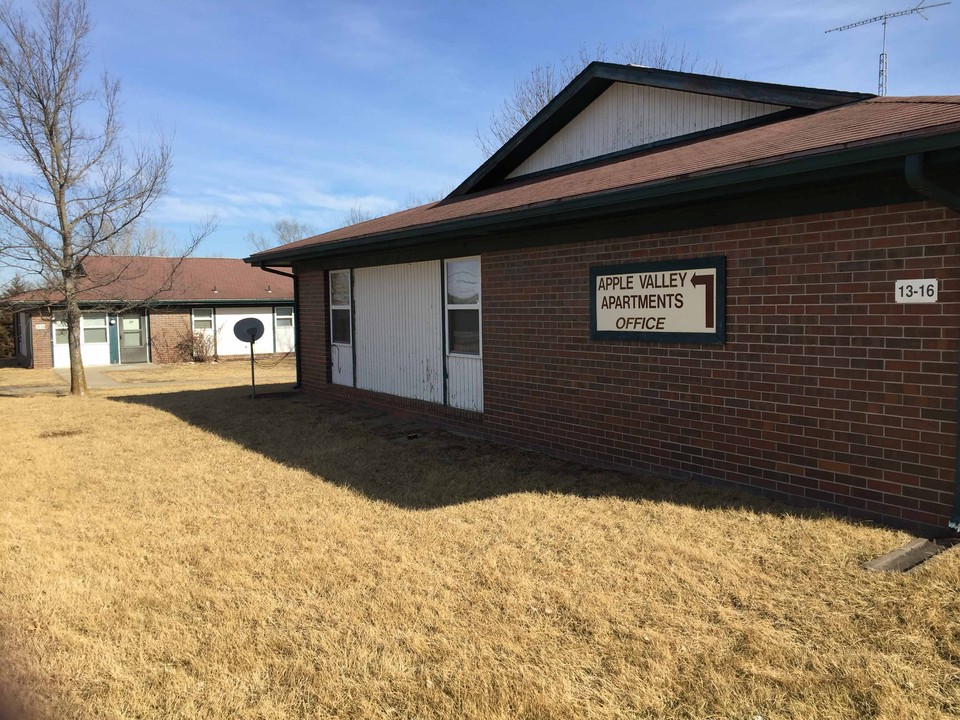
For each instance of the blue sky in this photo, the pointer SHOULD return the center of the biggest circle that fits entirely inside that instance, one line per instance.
(303, 109)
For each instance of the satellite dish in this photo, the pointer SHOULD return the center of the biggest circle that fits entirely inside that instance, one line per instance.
(248, 330)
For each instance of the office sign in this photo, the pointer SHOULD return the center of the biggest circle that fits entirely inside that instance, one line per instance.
(674, 301)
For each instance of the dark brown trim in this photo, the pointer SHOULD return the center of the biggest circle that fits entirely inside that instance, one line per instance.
(820, 195)
(809, 172)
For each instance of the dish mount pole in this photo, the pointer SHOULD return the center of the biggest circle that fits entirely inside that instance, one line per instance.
(253, 375)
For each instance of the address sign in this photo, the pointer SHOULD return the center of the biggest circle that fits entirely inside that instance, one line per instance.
(915, 291)
(674, 301)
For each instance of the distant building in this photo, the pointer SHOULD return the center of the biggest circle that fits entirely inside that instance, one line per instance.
(146, 309)
(742, 283)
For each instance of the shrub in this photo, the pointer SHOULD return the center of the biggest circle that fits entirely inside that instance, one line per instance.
(196, 347)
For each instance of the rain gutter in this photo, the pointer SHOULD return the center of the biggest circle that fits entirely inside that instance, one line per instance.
(720, 183)
(296, 316)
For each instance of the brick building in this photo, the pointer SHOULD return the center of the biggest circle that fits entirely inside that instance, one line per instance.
(747, 284)
(157, 309)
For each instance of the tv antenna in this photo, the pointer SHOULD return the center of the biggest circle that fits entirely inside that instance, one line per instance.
(918, 10)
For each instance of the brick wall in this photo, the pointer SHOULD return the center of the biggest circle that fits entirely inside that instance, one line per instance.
(168, 326)
(41, 341)
(314, 334)
(826, 391)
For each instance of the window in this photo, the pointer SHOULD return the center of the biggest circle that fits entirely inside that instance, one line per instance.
(340, 307)
(94, 327)
(284, 316)
(462, 281)
(19, 336)
(202, 319)
(60, 329)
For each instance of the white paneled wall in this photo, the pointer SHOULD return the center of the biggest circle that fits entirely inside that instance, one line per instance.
(465, 382)
(399, 341)
(627, 116)
(227, 342)
(341, 364)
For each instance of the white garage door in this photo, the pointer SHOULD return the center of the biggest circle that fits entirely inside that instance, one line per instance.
(399, 342)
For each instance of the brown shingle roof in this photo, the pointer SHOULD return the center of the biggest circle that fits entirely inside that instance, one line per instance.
(171, 280)
(869, 122)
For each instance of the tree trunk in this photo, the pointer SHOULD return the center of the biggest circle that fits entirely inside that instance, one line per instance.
(78, 379)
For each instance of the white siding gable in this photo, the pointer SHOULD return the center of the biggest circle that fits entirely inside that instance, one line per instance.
(627, 116)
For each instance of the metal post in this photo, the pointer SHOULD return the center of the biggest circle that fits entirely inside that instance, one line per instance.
(882, 83)
(253, 378)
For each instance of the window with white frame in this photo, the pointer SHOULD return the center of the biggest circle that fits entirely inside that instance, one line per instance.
(340, 330)
(284, 316)
(60, 333)
(462, 298)
(94, 328)
(202, 319)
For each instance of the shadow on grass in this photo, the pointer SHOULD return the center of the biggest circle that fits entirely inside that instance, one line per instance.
(412, 463)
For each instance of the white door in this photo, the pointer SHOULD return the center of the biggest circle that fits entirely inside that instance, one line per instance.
(94, 340)
(341, 327)
(399, 346)
(283, 329)
(61, 352)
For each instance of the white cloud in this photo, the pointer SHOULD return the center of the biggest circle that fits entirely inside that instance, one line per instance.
(238, 207)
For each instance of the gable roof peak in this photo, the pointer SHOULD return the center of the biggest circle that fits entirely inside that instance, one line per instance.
(598, 76)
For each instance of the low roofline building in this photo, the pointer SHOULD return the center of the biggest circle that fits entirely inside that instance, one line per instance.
(157, 309)
(743, 283)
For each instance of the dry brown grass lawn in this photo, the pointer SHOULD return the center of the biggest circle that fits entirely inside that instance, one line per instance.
(11, 376)
(229, 372)
(195, 554)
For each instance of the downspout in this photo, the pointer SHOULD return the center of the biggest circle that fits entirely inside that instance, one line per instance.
(913, 171)
(296, 314)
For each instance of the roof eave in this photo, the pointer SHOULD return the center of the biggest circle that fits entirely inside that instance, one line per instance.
(773, 93)
(711, 185)
(155, 302)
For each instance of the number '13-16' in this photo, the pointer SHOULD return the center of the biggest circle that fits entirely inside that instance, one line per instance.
(925, 290)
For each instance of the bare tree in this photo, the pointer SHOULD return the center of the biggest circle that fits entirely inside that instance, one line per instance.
(664, 55)
(532, 92)
(358, 214)
(81, 189)
(142, 239)
(417, 199)
(285, 230)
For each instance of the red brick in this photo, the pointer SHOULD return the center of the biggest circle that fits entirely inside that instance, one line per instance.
(821, 390)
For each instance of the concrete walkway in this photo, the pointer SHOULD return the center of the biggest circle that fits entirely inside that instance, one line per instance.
(96, 380)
